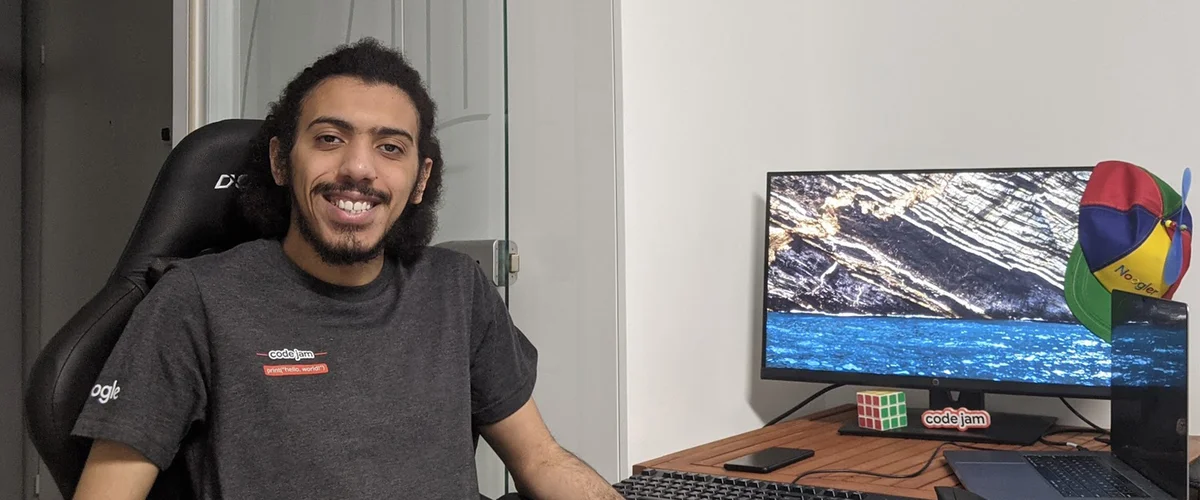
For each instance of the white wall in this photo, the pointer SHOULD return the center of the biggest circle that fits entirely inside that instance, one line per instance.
(715, 96)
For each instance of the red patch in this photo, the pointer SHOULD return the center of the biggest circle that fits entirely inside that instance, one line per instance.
(295, 370)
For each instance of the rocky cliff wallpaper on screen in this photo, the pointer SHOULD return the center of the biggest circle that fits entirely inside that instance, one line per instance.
(951, 274)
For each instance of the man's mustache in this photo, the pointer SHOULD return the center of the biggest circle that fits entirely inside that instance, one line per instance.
(329, 188)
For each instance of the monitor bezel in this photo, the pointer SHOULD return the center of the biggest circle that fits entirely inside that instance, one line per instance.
(902, 381)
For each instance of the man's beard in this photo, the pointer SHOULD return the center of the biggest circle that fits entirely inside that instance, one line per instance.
(347, 250)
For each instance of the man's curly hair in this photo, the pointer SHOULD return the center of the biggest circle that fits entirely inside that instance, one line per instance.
(267, 206)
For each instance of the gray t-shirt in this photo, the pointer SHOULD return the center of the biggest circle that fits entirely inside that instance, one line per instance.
(269, 383)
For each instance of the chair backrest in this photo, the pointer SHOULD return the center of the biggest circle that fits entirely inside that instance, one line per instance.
(192, 209)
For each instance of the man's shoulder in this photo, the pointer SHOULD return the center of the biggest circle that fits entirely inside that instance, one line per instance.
(443, 259)
(242, 261)
(446, 266)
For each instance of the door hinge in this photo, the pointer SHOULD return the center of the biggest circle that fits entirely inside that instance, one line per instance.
(42, 54)
(498, 258)
(37, 485)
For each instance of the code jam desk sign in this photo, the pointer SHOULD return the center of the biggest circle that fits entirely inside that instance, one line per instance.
(961, 419)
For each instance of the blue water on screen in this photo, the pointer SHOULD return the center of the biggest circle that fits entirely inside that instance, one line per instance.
(993, 350)
(1150, 356)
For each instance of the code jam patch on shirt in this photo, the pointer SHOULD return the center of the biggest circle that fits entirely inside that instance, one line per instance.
(293, 370)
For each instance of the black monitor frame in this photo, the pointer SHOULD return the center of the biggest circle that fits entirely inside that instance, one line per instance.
(936, 386)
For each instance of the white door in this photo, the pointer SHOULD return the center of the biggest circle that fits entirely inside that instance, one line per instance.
(250, 49)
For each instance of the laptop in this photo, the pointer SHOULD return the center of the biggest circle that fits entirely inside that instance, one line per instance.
(1149, 457)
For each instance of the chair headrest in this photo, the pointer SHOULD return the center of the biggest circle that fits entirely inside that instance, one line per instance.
(193, 205)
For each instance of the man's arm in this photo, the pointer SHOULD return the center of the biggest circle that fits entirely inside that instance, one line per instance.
(543, 470)
(150, 392)
(115, 471)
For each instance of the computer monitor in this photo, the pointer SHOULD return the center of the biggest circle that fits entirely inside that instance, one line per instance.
(945, 280)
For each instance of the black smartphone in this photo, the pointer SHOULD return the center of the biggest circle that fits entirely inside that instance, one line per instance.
(768, 460)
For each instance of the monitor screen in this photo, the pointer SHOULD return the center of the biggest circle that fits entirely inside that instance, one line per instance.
(1150, 388)
(916, 276)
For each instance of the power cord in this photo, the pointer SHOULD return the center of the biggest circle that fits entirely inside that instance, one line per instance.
(934, 455)
(1097, 428)
(1068, 430)
(1093, 428)
(920, 471)
(802, 404)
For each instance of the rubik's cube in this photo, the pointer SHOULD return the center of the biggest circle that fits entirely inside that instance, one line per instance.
(882, 410)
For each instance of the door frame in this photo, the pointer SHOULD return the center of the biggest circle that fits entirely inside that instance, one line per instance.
(14, 447)
(565, 152)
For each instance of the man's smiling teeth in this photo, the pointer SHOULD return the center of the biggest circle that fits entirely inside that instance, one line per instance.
(354, 207)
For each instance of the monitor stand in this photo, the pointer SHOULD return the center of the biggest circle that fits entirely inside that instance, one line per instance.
(1006, 428)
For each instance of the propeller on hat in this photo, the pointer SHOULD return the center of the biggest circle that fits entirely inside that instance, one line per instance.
(1174, 264)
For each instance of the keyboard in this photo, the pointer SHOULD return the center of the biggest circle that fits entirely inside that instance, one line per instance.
(658, 484)
(1084, 476)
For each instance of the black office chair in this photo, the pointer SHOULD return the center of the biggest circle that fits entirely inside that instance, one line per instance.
(192, 209)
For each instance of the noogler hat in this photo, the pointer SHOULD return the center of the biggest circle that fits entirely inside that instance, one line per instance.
(1128, 218)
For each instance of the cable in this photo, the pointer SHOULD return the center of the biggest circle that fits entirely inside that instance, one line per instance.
(1061, 430)
(1073, 430)
(934, 455)
(1099, 429)
(920, 471)
(1069, 430)
(1066, 444)
(802, 404)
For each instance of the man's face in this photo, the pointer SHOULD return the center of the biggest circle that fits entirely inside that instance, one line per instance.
(353, 169)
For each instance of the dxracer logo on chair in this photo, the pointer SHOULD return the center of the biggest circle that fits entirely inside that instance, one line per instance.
(226, 181)
(105, 393)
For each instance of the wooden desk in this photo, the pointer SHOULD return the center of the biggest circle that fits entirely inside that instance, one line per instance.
(819, 432)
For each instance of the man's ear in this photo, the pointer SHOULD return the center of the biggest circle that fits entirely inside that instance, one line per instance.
(276, 168)
(422, 178)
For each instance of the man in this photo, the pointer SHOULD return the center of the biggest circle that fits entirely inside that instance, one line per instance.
(340, 356)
